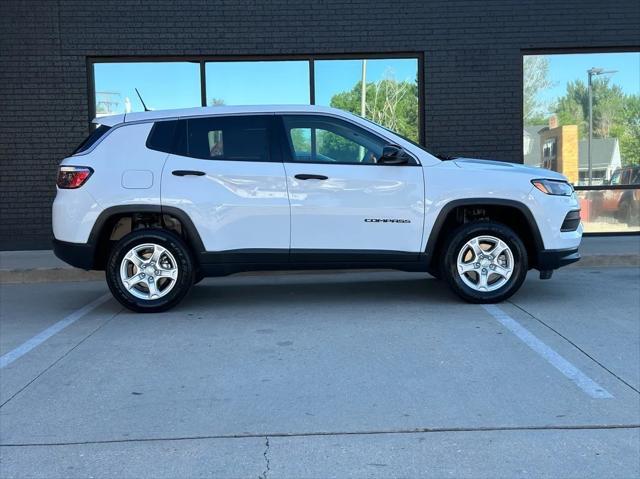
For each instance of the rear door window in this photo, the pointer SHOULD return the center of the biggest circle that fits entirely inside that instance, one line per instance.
(234, 138)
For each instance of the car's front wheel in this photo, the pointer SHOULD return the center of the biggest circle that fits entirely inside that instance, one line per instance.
(485, 262)
(150, 270)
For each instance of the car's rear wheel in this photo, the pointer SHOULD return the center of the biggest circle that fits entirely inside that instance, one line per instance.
(485, 262)
(150, 270)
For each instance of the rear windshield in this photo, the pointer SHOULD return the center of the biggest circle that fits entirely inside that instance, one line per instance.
(94, 136)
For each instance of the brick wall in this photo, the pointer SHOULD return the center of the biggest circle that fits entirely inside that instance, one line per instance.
(472, 67)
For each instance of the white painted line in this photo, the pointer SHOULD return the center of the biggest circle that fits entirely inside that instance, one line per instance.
(40, 338)
(581, 380)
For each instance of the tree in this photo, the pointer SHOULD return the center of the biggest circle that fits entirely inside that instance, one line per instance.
(390, 102)
(615, 114)
(536, 79)
(628, 133)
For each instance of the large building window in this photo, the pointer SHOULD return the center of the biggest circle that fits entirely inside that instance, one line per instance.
(390, 95)
(257, 83)
(383, 90)
(581, 117)
(162, 85)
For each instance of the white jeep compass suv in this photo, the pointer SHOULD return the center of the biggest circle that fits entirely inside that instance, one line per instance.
(161, 199)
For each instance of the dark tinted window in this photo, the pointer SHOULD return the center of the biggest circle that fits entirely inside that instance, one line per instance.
(94, 136)
(239, 138)
(162, 136)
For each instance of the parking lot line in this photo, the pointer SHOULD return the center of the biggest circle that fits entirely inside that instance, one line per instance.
(581, 380)
(41, 337)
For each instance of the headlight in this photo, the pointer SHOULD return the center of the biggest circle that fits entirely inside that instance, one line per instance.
(553, 187)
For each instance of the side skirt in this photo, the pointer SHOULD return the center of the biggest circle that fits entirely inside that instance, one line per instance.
(237, 261)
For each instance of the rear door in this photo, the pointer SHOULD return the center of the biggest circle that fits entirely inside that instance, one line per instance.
(226, 175)
(342, 200)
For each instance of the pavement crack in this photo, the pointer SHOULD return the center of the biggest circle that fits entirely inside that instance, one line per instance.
(420, 430)
(266, 460)
(575, 346)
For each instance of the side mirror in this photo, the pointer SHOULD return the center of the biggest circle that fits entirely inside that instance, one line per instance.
(393, 155)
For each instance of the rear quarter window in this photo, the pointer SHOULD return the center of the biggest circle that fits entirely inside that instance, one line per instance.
(168, 137)
(90, 140)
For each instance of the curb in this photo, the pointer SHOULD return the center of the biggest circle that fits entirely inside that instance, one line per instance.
(54, 275)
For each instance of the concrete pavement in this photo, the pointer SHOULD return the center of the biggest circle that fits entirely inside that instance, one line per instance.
(355, 375)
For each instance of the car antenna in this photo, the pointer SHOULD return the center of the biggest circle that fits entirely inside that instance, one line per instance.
(141, 100)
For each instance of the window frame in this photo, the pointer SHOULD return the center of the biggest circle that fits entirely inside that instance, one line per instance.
(202, 60)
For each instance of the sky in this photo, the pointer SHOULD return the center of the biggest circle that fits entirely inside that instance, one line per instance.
(166, 85)
(162, 85)
(570, 67)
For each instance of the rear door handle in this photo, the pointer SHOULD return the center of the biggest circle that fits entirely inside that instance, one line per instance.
(311, 177)
(187, 173)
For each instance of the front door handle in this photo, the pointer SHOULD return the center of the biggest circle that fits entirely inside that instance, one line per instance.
(311, 177)
(187, 173)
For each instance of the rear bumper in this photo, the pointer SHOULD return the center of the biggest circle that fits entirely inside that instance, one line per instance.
(80, 255)
(556, 258)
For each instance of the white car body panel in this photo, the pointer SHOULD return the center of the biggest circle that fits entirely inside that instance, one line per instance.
(236, 205)
(500, 181)
(332, 213)
(118, 165)
(249, 205)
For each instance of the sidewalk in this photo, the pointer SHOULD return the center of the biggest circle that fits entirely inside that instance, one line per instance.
(43, 266)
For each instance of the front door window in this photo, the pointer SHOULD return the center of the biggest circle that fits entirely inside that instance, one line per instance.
(315, 139)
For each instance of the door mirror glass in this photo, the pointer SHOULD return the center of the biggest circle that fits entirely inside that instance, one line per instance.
(393, 155)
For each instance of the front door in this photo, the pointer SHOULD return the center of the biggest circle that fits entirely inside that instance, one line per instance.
(341, 199)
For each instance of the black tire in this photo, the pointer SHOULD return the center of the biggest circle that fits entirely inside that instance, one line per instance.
(175, 245)
(460, 237)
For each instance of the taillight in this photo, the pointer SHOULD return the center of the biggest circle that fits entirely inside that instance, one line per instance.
(70, 177)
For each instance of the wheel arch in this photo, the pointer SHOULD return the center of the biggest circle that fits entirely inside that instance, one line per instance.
(99, 238)
(448, 218)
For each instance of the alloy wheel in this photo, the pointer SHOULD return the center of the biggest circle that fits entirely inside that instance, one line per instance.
(148, 271)
(485, 263)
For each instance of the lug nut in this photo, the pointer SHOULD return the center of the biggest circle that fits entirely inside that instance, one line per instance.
(493, 266)
(477, 265)
(484, 271)
(142, 275)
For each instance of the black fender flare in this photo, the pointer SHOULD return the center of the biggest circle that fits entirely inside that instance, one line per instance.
(192, 235)
(434, 234)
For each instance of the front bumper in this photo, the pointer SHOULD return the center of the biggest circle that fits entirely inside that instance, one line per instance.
(80, 255)
(550, 259)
